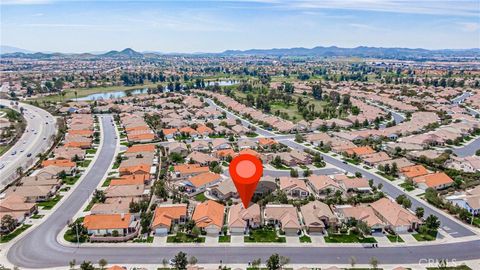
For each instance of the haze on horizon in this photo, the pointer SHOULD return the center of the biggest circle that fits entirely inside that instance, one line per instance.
(215, 26)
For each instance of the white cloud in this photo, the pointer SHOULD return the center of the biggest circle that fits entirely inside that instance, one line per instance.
(24, 2)
(469, 26)
(433, 7)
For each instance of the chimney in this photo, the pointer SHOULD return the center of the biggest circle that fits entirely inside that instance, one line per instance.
(122, 216)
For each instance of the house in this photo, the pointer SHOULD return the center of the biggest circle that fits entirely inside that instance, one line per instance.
(246, 143)
(469, 164)
(209, 216)
(266, 143)
(323, 185)
(113, 206)
(67, 165)
(17, 207)
(317, 216)
(166, 216)
(294, 187)
(201, 181)
(240, 220)
(169, 133)
(470, 200)
(224, 153)
(31, 193)
(220, 143)
(100, 225)
(359, 151)
(201, 158)
(284, 216)
(397, 218)
(224, 190)
(355, 184)
(362, 213)
(178, 147)
(201, 146)
(184, 171)
(411, 172)
(126, 191)
(439, 180)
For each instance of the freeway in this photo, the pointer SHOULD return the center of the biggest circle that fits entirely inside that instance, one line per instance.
(36, 139)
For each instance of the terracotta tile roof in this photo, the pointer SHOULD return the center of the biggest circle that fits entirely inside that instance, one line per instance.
(141, 148)
(434, 180)
(114, 221)
(225, 153)
(393, 213)
(204, 129)
(143, 168)
(266, 141)
(414, 171)
(168, 131)
(209, 213)
(59, 163)
(131, 179)
(190, 168)
(204, 178)
(83, 132)
(359, 151)
(165, 213)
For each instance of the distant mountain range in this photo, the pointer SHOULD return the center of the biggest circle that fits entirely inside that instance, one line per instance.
(333, 51)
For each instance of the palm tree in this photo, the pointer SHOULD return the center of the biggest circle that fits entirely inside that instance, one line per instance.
(19, 171)
(374, 262)
(353, 261)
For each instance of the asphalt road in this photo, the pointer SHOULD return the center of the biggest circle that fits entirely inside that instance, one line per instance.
(36, 139)
(40, 249)
(469, 149)
(452, 227)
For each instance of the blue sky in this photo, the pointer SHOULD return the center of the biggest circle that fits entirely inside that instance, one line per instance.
(213, 26)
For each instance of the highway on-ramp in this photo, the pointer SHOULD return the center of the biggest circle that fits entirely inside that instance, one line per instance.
(36, 139)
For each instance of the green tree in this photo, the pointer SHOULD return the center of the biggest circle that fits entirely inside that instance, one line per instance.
(102, 263)
(192, 260)
(87, 266)
(273, 262)
(374, 262)
(180, 261)
(72, 264)
(419, 212)
(432, 222)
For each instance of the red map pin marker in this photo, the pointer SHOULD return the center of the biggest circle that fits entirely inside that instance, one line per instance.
(246, 170)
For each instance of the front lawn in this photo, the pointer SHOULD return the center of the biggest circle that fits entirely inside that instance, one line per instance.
(280, 166)
(37, 216)
(106, 183)
(71, 180)
(15, 233)
(264, 236)
(185, 238)
(71, 236)
(348, 238)
(407, 186)
(305, 239)
(424, 237)
(200, 197)
(224, 239)
(352, 161)
(91, 151)
(47, 205)
(393, 238)
(85, 163)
